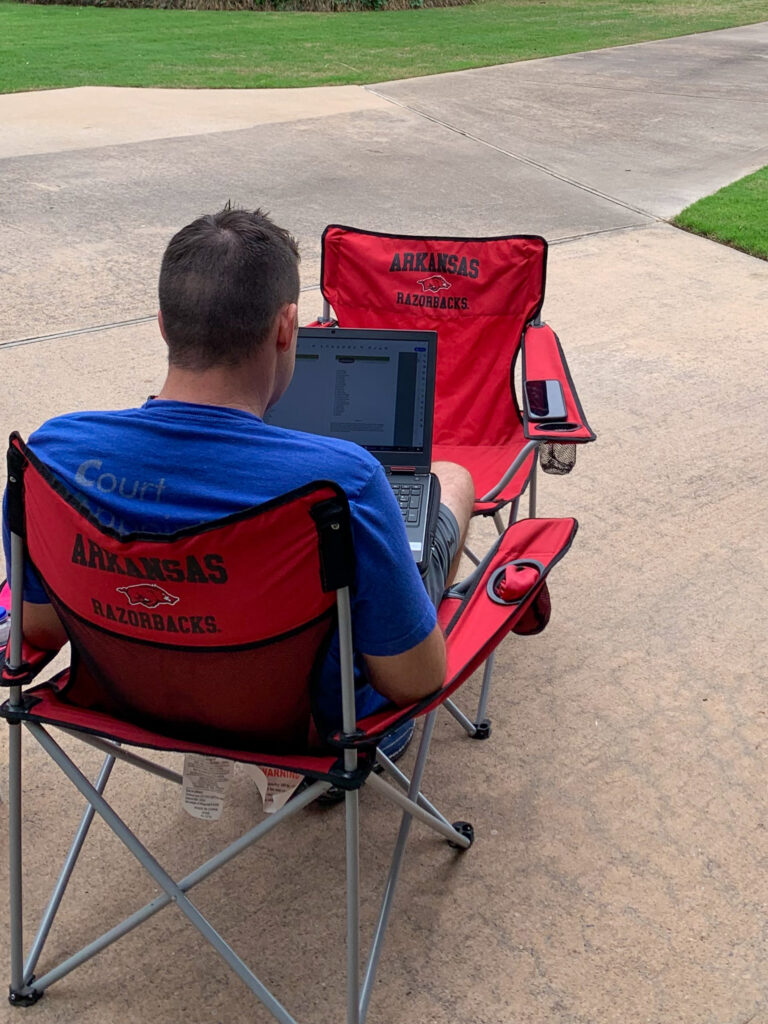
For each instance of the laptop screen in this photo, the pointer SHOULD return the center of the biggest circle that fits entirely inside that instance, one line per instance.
(375, 388)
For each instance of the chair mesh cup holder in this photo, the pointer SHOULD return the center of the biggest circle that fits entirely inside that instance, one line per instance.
(556, 458)
(499, 582)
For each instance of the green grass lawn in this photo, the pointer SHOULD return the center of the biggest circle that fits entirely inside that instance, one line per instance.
(45, 47)
(736, 215)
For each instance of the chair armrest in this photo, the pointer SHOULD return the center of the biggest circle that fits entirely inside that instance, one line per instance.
(477, 614)
(33, 661)
(543, 359)
(475, 617)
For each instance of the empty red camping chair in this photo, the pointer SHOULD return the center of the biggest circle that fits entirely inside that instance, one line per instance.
(483, 296)
(206, 642)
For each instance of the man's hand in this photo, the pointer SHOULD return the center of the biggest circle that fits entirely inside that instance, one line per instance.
(409, 676)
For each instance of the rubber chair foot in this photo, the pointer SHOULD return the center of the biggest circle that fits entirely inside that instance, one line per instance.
(465, 829)
(482, 730)
(24, 998)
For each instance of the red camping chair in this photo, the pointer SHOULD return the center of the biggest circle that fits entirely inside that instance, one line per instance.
(205, 642)
(483, 296)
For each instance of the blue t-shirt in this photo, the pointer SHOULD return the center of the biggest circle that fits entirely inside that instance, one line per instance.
(169, 465)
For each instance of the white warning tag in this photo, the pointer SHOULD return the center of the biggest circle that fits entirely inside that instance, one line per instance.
(206, 780)
(276, 786)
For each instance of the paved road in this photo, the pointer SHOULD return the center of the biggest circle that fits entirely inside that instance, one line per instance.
(651, 127)
(619, 873)
(97, 179)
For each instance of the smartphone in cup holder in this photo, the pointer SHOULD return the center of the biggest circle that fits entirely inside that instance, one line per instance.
(544, 401)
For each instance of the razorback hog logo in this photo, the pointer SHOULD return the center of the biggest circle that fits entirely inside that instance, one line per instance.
(148, 595)
(435, 283)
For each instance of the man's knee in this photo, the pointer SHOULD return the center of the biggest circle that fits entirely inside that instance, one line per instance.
(457, 490)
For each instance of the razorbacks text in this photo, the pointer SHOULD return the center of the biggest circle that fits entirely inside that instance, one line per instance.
(164, 623)
(433, 301)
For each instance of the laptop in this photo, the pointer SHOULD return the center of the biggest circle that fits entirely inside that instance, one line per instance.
(376, 388)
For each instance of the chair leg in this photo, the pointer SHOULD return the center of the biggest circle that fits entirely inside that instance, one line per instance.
(474, 559)
(411, 809)
(482, 724)
(352, 801)
(394, 870)
(17, 992)
(466, 723)
(293, 807)
(402, 779)
(409, 806)
(481, 727)
(66, 872)
(172, 891)
(532, 486)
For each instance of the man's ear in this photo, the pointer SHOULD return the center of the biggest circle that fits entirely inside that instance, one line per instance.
(161, 325)
(287, 324)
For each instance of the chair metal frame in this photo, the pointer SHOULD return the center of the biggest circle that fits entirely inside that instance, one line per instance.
(405, 794)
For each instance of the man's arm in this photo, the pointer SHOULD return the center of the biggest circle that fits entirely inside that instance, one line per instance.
(407, 677)
(42, 627)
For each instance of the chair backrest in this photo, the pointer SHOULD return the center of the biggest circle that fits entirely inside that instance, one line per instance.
(214, 631)
(477, 293)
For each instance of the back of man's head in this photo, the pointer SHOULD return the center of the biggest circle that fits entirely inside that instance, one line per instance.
(223, 279)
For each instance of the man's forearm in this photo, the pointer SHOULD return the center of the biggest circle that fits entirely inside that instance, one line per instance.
(42, 627)
(410, 676)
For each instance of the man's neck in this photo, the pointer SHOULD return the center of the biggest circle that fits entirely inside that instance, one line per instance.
(232, 388)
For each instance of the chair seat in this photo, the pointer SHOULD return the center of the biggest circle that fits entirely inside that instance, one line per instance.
(487, 464)
(48, 708)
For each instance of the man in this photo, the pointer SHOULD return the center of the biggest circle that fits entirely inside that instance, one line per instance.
(199, 450)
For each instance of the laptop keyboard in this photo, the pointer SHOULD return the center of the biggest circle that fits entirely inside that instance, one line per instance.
(409, 498)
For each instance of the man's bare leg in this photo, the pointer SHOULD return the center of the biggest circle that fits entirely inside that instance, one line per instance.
(457, 492)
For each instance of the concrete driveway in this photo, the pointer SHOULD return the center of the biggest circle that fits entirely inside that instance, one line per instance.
(619, 873)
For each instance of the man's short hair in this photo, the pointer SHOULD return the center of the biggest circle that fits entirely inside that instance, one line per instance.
(223, 279)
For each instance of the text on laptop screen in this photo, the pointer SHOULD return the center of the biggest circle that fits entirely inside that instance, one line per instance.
(372, 392)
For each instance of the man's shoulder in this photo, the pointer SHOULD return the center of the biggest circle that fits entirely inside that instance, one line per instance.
(87, 418)
(171, 421)
(73, 425)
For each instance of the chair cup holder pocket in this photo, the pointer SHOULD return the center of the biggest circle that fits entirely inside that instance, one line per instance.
(556, 458)
(512, 583)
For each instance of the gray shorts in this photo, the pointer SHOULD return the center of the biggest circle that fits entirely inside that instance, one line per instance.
(444, 548)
